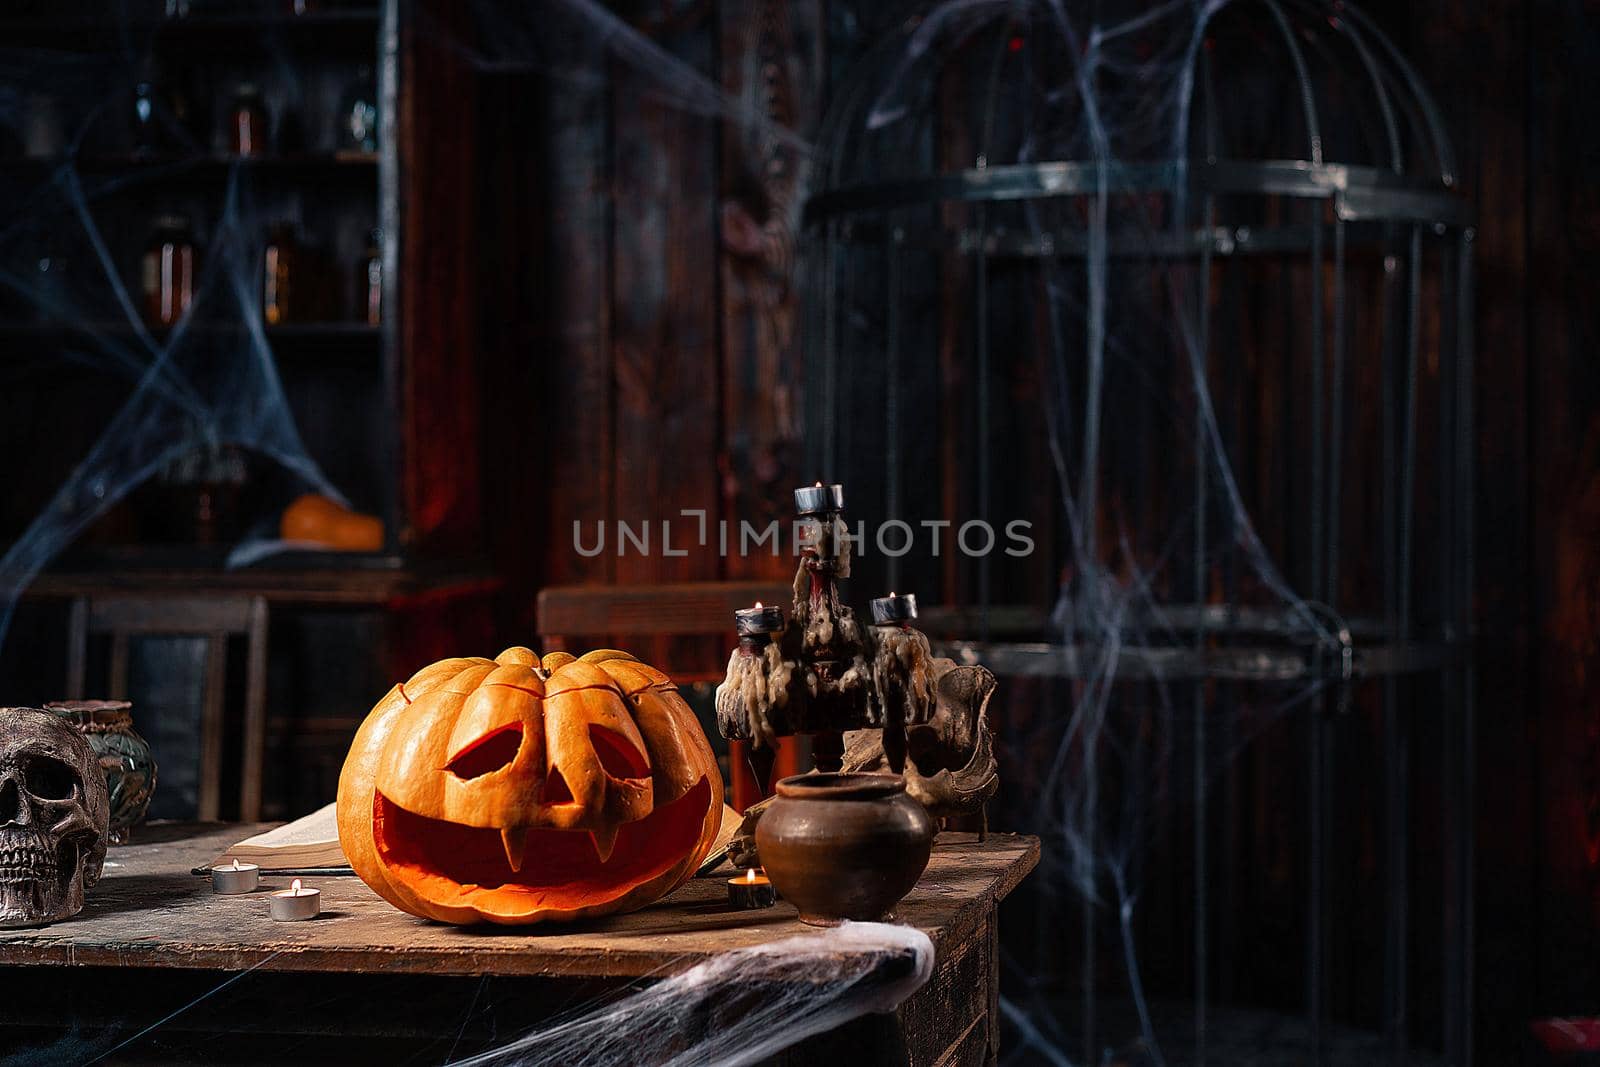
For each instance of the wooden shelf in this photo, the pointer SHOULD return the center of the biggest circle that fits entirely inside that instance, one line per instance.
(336, 578)
(289, 332)
(128, 174)
(225, 31)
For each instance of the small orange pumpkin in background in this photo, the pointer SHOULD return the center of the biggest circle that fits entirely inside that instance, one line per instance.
(324, 521)
(523, 790)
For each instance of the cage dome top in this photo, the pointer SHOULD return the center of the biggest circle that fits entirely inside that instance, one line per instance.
(1017, 100)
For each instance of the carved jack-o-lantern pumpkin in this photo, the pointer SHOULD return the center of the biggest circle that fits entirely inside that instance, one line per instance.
(519, 790)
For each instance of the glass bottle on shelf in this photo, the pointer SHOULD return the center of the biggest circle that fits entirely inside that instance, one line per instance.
(51, 295)
(247, 122)
(169, 271)
(358, 115)
(158, 117)
(369, 281)
(281, 270)
(43, 126)
(146, 119)
(201, 492)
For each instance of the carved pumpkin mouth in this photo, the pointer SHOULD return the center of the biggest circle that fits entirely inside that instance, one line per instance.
(451, 864)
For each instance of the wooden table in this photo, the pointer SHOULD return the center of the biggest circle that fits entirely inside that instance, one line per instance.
(366, 980)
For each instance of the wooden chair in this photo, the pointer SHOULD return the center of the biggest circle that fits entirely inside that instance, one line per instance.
(684, 609)
(688, 609)
(213, 619)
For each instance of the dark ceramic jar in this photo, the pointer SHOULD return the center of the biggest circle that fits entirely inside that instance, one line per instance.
(844, 846)
(124, 757)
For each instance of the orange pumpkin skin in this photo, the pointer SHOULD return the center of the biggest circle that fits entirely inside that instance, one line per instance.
(523, 790)
(314, 517)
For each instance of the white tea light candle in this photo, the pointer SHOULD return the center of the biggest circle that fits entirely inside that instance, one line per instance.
(295, 903)
(753, 890)
(236, 877)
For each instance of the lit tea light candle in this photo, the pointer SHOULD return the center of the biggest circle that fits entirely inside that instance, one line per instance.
(894, 609)
(235, 878)
(295, 903)
(819, 499)
(754, 890)
(758, 620)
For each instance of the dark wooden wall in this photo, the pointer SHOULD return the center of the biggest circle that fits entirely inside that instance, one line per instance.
(1518, 84)
(663, 318)
(668, 376)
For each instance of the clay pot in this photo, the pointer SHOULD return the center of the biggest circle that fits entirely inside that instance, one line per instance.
(123, 755)
(844, 846)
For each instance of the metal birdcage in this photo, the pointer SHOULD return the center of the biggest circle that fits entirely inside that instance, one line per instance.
(1187, 287)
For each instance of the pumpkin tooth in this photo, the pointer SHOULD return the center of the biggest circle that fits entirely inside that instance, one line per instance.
(515, 841)
(605, 842)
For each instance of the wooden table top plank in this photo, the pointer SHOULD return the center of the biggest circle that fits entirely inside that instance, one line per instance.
(149, 911)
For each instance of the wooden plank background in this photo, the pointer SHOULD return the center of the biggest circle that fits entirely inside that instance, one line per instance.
(1517, 84)
(669, 377)
(607, 273)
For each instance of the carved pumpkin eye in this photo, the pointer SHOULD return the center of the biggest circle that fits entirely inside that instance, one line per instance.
(618, 756)
(488, 753)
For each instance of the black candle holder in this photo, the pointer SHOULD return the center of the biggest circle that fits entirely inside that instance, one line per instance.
(759, 620)
(894, 609)
(819, 499)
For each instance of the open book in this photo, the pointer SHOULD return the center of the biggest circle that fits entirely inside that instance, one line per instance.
(313, 841)
(310, 841)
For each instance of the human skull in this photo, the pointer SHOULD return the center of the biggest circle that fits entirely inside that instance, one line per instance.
(53, 816)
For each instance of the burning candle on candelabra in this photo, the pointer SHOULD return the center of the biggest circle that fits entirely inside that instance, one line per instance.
(822, 537)
(752, 890)
(759, 620)
(819, 499)
(896, 609)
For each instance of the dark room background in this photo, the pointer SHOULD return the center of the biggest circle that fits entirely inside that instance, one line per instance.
(667, 362)
(601, 323)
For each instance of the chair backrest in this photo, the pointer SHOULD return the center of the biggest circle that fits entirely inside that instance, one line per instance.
(624, 612)
(699, 613)
(211, 620)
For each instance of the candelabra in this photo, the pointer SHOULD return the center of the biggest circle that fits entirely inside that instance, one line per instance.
(821, 673)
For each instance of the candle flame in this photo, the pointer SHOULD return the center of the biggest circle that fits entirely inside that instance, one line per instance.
(818, 485)
(758, 603)
(750, 875)
(236, 863)
(294, 887)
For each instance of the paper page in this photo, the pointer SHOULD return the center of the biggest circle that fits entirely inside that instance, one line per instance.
(318, 828)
